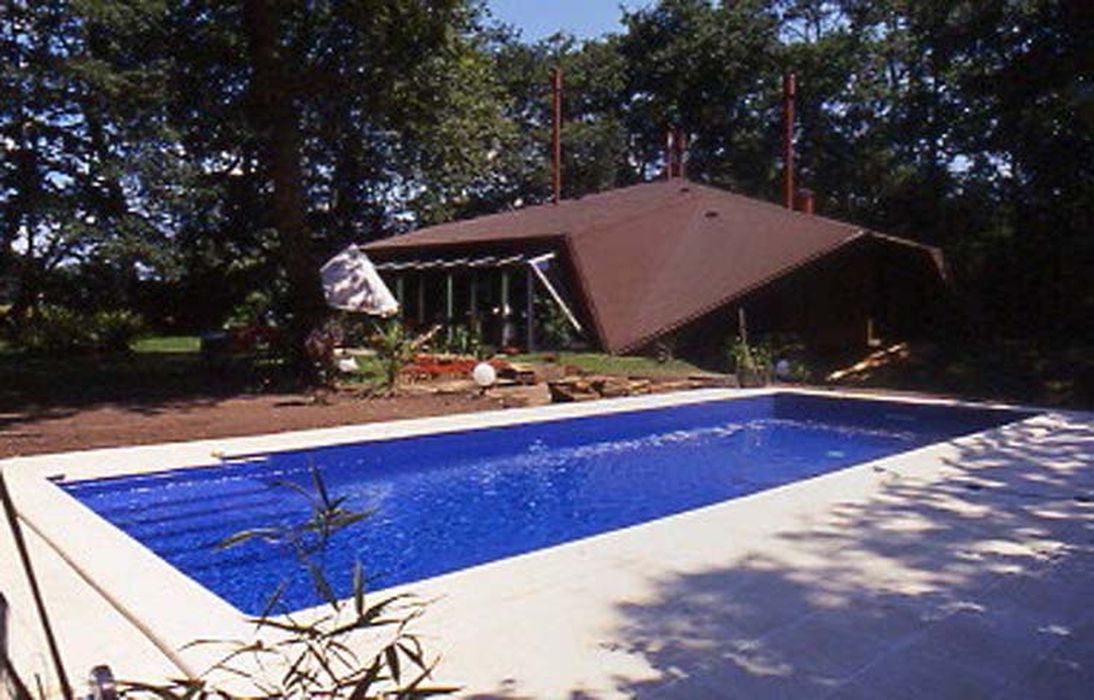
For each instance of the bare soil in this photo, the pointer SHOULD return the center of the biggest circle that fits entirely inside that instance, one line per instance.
(62, 429)
(50, 405)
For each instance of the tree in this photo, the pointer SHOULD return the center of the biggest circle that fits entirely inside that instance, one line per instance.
(191, 155)
(710, 70)
(274, 116)
(353, 111)
(595, 145)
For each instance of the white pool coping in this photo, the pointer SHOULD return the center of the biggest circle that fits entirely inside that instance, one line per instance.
(171, 610)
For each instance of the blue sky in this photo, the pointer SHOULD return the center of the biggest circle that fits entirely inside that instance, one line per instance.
(540, 18)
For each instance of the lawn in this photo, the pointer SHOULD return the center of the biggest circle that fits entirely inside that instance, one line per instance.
(599, 363)
(168, 344)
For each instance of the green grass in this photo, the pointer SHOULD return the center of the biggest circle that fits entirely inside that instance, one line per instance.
(370, 372)
(599, 363)
(168, 344)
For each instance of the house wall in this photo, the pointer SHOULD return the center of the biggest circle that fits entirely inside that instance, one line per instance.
(834, 306)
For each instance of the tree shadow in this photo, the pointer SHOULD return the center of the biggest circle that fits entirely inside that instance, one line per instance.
(36, 389)
(973, 585)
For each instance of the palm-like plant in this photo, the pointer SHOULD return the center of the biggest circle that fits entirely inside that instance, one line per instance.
(395, 348)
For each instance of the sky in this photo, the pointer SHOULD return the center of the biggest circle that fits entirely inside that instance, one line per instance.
(583, 18)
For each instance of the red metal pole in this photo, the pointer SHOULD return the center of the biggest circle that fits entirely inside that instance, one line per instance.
(805, 202)
(789, 90)
(556, 135)
(668, 153)
(681, 153)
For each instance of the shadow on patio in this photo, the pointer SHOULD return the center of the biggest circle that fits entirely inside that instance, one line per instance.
(975, 584)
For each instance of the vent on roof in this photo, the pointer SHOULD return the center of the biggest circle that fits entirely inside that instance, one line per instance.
(711, 214)
(685, 189)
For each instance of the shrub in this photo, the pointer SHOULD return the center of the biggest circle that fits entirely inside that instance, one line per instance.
(394, 349)
(555, 328)
(462, 340)
(114, 331)
(52, 330)
(751, 363)
(255, 309)
(58, 330)
(789, 356)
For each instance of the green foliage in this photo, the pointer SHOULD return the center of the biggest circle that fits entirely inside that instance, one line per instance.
(788, 351)
(750, 362)
(316, 656)
(797, 370)
(52, 331)
(56, 331)
(464, 340)
(595, 145)
(712, 70)
(554, 326)
(320, 346)
(253, 309)
(139, 138)
(394, 348)
(115, 331)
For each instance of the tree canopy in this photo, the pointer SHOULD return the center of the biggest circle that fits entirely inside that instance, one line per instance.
(189, 158)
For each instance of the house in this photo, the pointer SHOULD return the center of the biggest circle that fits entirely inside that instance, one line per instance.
(672, 264)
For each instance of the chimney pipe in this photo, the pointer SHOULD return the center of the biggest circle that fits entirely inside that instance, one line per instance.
(676, 146)
(681, 142)
(805, 201)
(556, 135)
(789, 91)
(670, 147)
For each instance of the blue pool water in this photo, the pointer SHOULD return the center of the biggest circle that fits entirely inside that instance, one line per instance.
(449, 501)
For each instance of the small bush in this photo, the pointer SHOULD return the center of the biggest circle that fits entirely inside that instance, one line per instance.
(751, 363)
(57, 330)
(255, 309)
(52, 330)
(394, 348)
(556, 331)
(461, 340)
(115, 331)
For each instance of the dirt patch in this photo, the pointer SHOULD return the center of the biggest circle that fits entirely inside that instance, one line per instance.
(63, 428)
(115, 424)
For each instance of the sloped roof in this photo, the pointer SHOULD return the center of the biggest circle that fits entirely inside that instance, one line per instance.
(654, 256)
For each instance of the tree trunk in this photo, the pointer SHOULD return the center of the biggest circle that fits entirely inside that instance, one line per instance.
(273, 113)
(22, 216)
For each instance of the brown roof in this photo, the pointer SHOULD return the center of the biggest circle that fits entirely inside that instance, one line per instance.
(654, 256)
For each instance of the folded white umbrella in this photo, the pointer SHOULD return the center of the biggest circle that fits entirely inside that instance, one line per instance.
(351, 283)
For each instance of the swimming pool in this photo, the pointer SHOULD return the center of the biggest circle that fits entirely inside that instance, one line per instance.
(449, 501)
